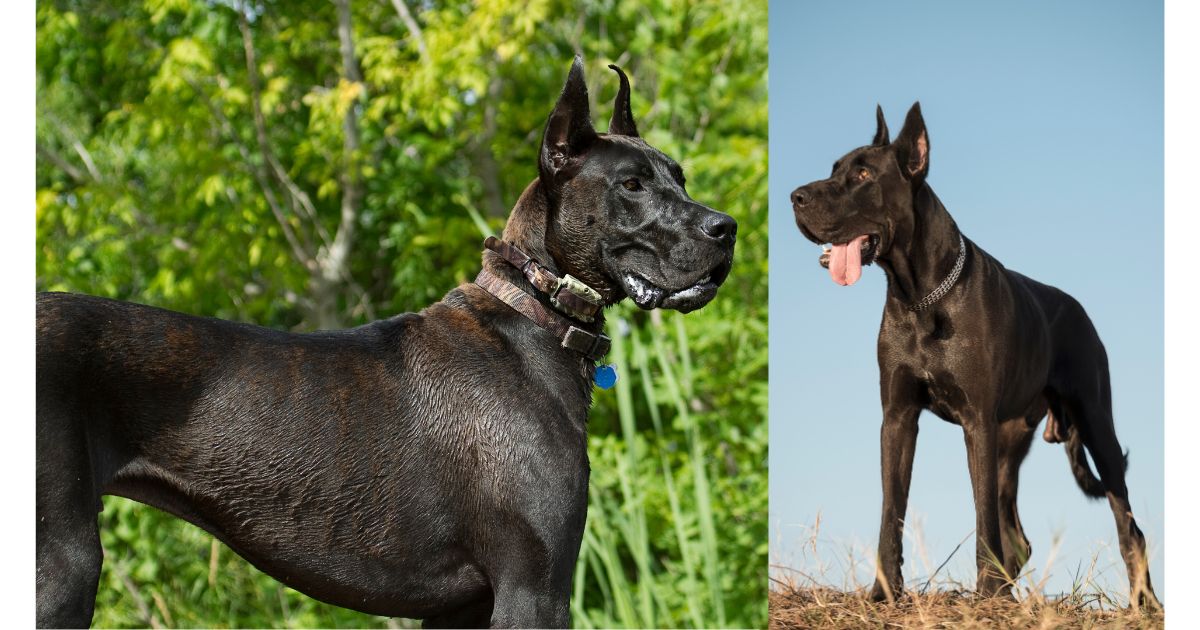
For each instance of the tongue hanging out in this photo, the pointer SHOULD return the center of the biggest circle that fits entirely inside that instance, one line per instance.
(845, 261)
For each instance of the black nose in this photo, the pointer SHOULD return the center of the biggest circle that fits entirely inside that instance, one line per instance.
(719, 226)
(801, 197)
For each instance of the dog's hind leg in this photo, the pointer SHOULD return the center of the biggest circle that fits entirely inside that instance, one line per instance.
(1081, 388)
(1015, 437)
(1093, 418)
(68, 537)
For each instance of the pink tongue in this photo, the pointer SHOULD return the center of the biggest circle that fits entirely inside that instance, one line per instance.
(845, 263)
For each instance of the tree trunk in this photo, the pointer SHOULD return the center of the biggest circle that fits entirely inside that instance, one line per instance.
(332, 277)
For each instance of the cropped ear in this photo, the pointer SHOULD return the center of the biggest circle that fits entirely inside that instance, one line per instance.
(881, 130)
(622, 119)
(912, 145)
(569, 133)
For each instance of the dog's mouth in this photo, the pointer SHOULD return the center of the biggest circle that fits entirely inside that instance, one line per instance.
(648, 295)
(845, 260)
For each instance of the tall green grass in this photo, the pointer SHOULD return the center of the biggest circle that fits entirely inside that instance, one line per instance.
(675, 514)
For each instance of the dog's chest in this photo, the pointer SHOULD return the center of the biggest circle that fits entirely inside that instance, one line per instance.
(943, 395)
(935, 356)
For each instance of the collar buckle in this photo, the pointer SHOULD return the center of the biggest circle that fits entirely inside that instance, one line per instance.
(592, 346)
(577, 288)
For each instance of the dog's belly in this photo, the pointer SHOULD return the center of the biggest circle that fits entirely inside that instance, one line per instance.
(420, 586)
(954, 398)
(365, 556)
(996, 387)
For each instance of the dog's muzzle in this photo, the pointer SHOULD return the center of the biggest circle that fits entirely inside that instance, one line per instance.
(648, 295)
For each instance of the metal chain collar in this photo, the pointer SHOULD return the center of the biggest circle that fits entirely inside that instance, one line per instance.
(944, 288)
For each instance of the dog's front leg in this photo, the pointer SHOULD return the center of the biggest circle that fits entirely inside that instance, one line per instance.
(980, 432)
(532, 598)
(530, 563)
(898, 442)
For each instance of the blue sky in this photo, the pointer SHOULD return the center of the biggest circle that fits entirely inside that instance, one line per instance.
(1046, 145)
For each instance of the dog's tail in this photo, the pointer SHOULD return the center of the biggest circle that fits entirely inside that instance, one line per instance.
(1091, 486)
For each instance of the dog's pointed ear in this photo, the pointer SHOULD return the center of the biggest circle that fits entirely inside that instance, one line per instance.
(881, 130)
(912, 145)
(569, 133)
(622, 119)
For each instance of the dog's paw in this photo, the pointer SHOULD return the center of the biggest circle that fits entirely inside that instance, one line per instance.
(1147, 602)
(881, 593)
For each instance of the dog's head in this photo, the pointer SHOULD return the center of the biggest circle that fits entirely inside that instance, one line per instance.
(618, 215)
(866, 205)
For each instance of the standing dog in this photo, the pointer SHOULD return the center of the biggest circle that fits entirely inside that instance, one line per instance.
(431, 465)
(975, 343)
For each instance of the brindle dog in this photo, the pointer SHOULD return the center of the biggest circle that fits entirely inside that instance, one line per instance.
(431, 465)
(977, 344)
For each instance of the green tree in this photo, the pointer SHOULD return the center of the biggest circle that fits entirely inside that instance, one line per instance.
(313, 164)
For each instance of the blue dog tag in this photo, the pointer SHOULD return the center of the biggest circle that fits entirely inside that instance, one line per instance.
(606, 376)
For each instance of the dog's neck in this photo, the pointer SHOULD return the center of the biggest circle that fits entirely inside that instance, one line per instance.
(526, 229)
(914, 271)
(531, 226)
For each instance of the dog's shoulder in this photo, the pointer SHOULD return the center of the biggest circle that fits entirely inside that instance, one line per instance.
(466, 316)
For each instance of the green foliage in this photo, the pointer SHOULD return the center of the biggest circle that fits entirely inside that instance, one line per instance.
(154, 185)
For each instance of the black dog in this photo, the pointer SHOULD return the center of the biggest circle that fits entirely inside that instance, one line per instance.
(431, 465)
(975, 343)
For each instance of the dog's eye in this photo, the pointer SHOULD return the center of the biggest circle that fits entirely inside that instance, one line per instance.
(862, 174)
(632, 184)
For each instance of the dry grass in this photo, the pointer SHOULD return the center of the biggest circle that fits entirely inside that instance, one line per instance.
(797, 607)
(801, 600)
